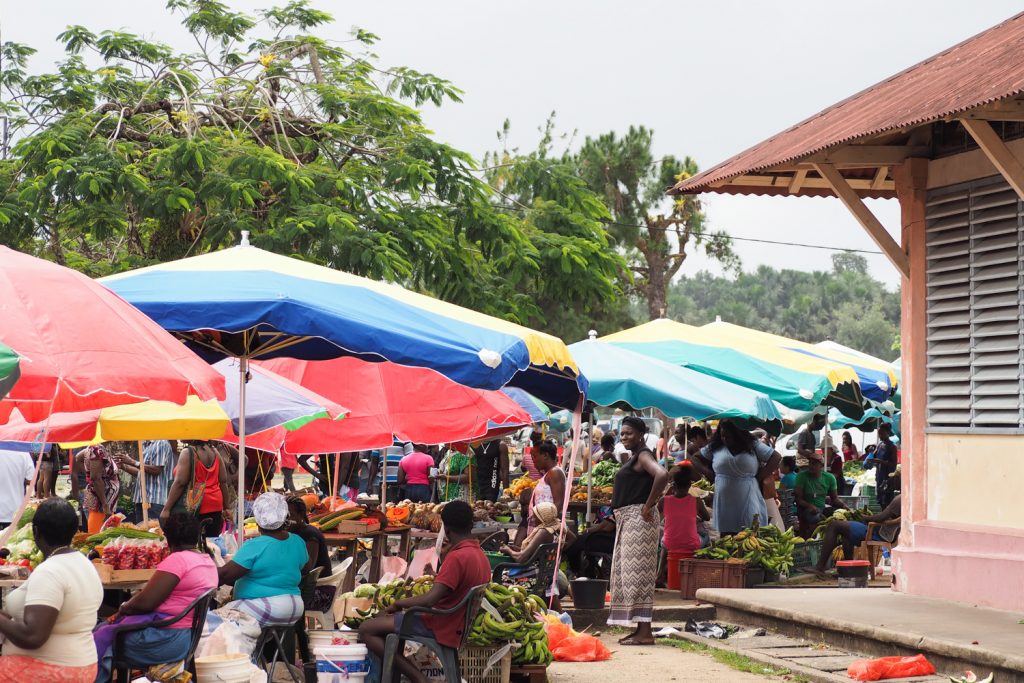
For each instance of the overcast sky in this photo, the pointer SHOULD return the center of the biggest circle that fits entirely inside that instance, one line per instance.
(709, 78)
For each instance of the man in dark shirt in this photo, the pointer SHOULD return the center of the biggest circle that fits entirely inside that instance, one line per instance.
(807, 441)
(884, 462)
(491, 468)
(463, 567)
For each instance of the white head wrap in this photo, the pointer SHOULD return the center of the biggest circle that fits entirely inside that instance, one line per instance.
(270, 511)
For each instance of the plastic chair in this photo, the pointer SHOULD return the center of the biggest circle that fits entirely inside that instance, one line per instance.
(544, 562)
(494, 542)
(449, 657)
(328, 619)
(122, 663)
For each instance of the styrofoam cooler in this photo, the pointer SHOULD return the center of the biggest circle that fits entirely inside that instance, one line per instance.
(341, 663)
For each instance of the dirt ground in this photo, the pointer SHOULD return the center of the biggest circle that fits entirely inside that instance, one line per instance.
(655, 663)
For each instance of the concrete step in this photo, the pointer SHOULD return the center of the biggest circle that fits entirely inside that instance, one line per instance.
(664, 615)
(878, 623)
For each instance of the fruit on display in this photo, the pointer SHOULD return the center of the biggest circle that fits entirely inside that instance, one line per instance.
(602, 495)
(519, 485)
(603, 474)
(332, 519)
(426, 516)
(383, 595)
(704, 485)
(398, 514)
(311, 500)
(510, 614)
(134, 553)
(758, 546)
(860, 515)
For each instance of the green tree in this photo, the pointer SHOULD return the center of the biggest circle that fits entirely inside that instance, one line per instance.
(131, 153)
(845, 304)
(656, 232)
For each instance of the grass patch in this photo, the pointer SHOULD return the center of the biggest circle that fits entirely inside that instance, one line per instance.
(735, 660)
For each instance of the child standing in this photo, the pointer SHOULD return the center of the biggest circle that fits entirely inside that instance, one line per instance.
(681, 513)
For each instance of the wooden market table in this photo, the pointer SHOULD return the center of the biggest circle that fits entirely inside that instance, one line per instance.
(350, 544)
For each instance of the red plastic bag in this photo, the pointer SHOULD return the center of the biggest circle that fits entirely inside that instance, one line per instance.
(558, 632)
(581, 648)
(889, 667)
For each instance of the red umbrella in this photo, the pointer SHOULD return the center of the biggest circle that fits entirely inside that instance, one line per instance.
(82, 347)
(387, 401)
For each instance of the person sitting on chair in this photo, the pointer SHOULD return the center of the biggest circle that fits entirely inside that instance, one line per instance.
(850, 534)
(546, 518)
(180, 579)
(463, 567)
(815, 489)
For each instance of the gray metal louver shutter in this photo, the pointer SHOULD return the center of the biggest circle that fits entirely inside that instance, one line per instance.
(973, 240)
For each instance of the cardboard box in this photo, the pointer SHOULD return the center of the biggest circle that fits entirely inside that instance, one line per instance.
(357, 526)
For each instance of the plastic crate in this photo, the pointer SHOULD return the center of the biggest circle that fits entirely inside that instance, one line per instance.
(696, 574)
(857, 502)
(806, 554)
(473, 661)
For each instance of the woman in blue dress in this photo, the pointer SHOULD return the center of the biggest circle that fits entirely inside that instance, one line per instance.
(740, 463)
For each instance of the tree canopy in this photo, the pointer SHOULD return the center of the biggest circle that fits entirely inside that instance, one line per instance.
(845, 304)
(131, 153)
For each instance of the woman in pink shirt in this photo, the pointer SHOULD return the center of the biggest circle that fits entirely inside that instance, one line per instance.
(184, 575)
(414, 474)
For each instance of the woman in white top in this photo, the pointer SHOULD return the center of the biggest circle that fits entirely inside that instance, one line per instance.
(551, 487)
(48, 621)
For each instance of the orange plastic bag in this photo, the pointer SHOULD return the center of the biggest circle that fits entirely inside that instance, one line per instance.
(557, 632)
(889, 667)
(581, 648)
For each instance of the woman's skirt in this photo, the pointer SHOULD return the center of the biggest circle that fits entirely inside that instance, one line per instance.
(634, 567)
(21, 669)
(277, 610)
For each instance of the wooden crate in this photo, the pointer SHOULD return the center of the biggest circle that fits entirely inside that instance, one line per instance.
(110, 575)
(696, 574)
(359, 527)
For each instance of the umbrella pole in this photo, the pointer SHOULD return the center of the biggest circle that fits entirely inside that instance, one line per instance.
(336, 485)
(243, 370)
(142, 484)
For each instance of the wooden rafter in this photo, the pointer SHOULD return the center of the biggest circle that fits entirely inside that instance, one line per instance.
(880, 176)
(798, 180)
(869, 155)
(997, 152)
(848, 195)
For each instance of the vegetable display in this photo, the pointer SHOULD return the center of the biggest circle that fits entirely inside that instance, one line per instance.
(758, 546)
(507, 615)
(603, 473)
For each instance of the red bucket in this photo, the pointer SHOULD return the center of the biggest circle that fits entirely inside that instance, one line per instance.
(674, 558)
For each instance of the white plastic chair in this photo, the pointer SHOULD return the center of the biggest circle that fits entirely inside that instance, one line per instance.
(328, 620)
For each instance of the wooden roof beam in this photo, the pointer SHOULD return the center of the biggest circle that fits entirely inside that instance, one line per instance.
(848, 195)
(997, 152)
(869, 155)
(1002, 110)
(807, 182)
(797, 181)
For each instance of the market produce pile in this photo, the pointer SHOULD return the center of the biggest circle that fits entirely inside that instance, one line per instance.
(603, 474)
(854, 515)
(425, 516)
(602, 495)
(507, 615)
(758, 546)
(853, 469)
(519, 485)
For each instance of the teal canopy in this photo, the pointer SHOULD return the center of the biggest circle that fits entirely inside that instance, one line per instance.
(623, 378)
(872, 419)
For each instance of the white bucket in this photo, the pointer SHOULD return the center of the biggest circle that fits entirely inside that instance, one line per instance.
(341, 663)
(330, 638)
(234, 668)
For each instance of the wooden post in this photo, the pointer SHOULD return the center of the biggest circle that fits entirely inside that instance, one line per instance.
(142, 484)
(863, 214)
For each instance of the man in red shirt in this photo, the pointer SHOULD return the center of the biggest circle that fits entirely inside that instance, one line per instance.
(463, 567)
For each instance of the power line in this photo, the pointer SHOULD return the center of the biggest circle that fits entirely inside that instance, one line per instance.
(750, 239)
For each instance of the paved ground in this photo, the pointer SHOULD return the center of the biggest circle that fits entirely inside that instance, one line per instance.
(655, 663)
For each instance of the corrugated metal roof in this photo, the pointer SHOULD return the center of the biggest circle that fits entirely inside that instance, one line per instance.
(978, 71)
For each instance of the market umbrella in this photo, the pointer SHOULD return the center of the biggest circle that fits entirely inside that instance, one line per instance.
(897, 398)
(250, 303)
(626, 379)
(9, 372)
(875, 377)
(533, 406)
(688, 346)
(387, 401)
(869, 422)
(83, 348)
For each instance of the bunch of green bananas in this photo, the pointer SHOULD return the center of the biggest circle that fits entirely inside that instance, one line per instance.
(853, 515)
(518, 623)
(389, 594)
(758, 546)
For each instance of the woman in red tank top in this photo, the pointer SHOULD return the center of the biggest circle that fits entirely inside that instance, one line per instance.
(209, 474)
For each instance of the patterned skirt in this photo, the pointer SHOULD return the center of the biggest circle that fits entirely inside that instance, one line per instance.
(21, 669)
(634, 567)
(278, 610)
